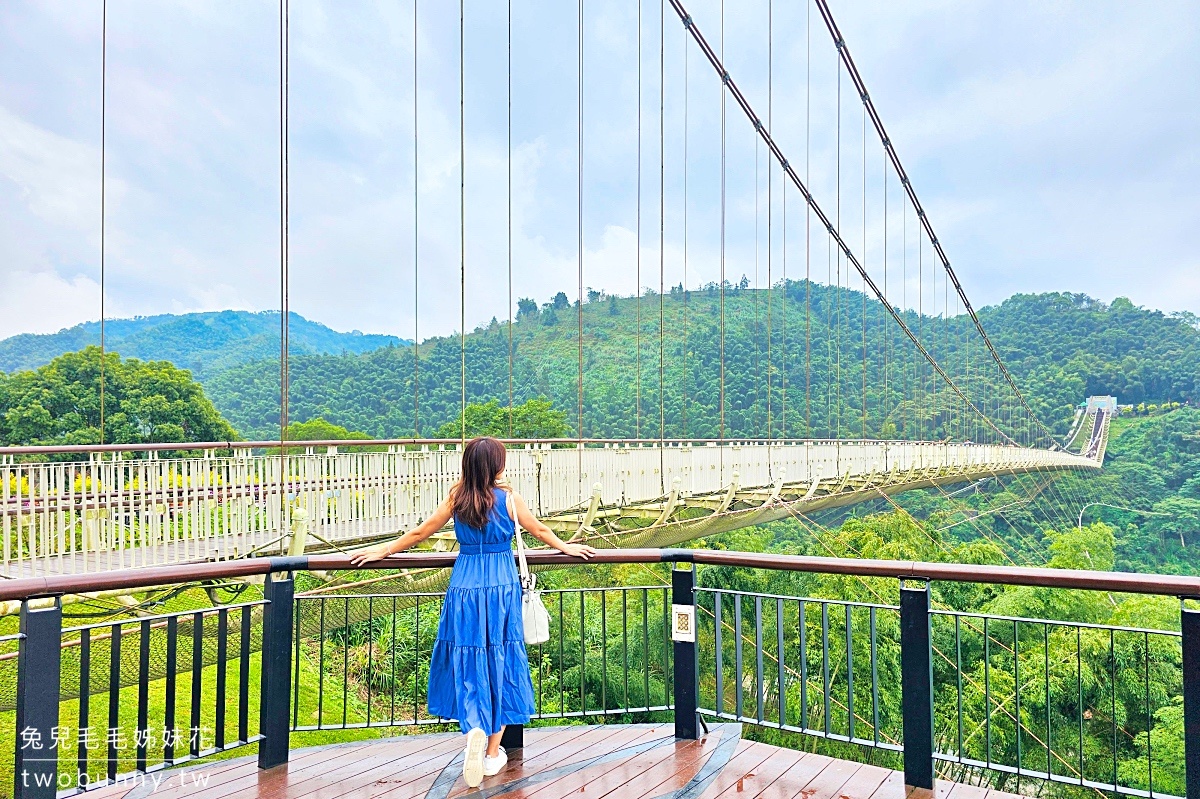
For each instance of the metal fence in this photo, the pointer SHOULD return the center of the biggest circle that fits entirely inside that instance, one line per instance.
(1099, 707)
(363, 660)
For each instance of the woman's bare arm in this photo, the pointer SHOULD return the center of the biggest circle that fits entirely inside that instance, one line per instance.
(436, 521)
(544, 534)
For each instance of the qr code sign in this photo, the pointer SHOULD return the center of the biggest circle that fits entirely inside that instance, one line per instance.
(684, 628)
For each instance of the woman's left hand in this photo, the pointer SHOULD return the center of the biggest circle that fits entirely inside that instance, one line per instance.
(578, 550)
(377, 552)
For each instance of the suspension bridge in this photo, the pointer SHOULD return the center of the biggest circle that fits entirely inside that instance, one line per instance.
(904, 391)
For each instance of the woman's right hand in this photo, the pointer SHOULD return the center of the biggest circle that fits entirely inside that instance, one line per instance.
(377, 552)
(578, 550)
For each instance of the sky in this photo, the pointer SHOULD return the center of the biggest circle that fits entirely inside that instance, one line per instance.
(1054, 146)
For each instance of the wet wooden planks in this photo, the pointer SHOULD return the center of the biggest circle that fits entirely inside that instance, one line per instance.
(580, 762)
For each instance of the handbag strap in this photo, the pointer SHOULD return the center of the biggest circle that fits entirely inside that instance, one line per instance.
(527, 579)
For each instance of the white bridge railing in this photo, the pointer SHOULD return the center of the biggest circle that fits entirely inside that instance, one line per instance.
(121, 508)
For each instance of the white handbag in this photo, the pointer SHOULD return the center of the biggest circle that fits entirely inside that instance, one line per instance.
(533, 611)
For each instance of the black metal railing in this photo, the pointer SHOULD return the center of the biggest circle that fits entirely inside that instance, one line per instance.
(1107, 708)
(814, 664)
(114, 719)
(361, 660)
(1058, 701)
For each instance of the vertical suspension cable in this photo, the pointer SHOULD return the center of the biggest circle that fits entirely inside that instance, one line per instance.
(284, 255)
(579, 228)
(838, 407)
(864, 278)
(722, 288)
(783, 350)
(904, 303)
(887, 331)
(637, 292)
(687, 371)
(508, 96)
(284, 277)
(770, 198)
(830, 329)
(662, 229)
(807, 222)
(950, 400)
(921, 316)
(462, 216)
(416, 247)
(103, 191)
(757, 242)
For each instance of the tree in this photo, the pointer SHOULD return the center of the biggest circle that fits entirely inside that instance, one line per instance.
(535, 418)
(613, 308)
(319, 429)
(526, 307)
(144, 401)
(561, 303)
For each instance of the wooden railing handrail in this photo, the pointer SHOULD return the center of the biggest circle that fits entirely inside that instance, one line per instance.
(148, 577)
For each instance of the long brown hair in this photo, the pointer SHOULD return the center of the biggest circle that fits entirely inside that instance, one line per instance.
(474, 495)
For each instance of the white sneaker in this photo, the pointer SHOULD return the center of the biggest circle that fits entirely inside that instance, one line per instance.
(473, 761)
(494, 765)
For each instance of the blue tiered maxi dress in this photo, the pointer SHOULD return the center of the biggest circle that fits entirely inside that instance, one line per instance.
(479, 673)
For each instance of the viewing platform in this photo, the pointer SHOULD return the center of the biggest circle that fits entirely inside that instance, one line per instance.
(665, 685)
(629, 761)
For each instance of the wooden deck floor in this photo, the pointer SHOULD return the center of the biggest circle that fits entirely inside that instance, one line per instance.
(597, 762)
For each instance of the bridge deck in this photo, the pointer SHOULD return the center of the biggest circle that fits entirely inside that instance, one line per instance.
(626, 761)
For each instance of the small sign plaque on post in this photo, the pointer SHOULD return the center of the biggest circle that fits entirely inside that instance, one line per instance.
(683, 625)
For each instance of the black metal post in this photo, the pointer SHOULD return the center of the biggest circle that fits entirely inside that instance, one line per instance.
(1190, 625)
(38, 671)
(513, 737)
(916, 676)
(683, 635)
(276, 691)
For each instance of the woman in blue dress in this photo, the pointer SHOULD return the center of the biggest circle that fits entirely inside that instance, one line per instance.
(479, 673)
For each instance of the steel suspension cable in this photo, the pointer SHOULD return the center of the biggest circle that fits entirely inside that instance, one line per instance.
(284, 250)
(662, 232)
(783, 348)
(716, 61)
(579, 223)
(637, 292)
(838, 371)
(921, 323)
(864, 284)
(722, 288)
(462, 216)
(416, 345)
(904, 308)
(103, 192)
(807, 222)
(508, 164)
(757, 242)
(770, 203)
(887, 397)
(860, 85)
(687, 371)
(830, 328)
(284, 255)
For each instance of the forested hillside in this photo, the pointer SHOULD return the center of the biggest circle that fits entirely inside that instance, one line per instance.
(204, 343)
(1060, 347)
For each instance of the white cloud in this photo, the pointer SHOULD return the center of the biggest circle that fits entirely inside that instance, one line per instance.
(43, 302)
(1048, 149)
(56, 176)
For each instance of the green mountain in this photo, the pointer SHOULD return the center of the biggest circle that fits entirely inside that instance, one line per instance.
(205, 343)
(1060, 348)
